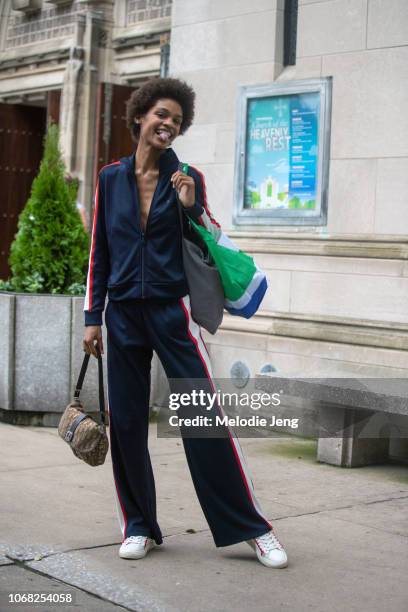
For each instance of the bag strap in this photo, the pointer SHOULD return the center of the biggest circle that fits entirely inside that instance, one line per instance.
(183, 167)
(69, 434)
(180, 214)
(192, 234)
(78, 386)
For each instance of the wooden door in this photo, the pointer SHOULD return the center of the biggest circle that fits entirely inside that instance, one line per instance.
(54, 105)
(22, 130)
(113, 137)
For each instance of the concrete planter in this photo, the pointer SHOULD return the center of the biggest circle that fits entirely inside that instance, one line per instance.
(40, 357)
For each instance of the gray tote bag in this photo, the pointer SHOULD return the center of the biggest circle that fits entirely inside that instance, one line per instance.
(203, 279)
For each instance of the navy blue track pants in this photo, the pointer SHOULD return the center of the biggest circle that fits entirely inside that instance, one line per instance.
(220, 476)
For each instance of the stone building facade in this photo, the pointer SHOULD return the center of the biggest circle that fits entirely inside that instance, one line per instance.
(338, 297)
(75, 62)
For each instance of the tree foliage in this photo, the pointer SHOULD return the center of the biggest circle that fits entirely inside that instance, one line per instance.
(49, 253)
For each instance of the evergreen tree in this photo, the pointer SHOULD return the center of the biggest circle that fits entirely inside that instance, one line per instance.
(49, 253)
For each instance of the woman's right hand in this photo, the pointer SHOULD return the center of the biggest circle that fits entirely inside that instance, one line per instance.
(93, 340)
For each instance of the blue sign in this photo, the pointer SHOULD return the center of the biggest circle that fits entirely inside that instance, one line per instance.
(281, 170)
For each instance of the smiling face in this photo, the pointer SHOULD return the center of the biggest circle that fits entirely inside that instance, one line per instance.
(161, 124)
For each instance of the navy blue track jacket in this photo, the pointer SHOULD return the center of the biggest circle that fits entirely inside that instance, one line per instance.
(125, 261)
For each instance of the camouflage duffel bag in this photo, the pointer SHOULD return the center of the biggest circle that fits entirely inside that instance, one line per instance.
(86, 437)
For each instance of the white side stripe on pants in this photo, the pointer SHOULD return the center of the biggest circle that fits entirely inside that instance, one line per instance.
(194, 332)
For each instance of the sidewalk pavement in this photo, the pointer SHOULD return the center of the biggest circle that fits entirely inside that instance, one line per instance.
(345, 532)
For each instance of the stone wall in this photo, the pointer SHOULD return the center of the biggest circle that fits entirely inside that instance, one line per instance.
(338, 294)
(362, 44)
(51, 22)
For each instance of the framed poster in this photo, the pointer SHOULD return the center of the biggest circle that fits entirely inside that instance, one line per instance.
(282, 154)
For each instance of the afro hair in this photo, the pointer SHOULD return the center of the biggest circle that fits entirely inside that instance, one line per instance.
(157, 88)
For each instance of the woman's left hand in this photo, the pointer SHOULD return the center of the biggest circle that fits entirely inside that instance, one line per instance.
(185, 188)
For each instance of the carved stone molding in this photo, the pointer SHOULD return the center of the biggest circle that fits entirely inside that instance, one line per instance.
(47, 23)
(138, 11)
(26, 6)
(326, 329)
(125, 42)
(334, 247)
(60, 2)
(107, 110)
(70, 105)
(50, 57)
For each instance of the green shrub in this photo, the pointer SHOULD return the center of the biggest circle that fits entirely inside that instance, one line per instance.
(49, 253)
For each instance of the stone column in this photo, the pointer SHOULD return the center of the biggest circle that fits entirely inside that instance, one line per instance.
(78, 105)
(5, 12)
(69, 106)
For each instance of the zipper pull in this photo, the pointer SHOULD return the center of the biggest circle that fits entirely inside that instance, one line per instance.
(143, 237)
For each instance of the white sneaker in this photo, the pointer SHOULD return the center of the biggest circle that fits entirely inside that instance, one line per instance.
(135, 547)
(269, 550)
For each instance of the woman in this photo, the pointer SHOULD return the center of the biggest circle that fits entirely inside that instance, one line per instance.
(136, 257)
